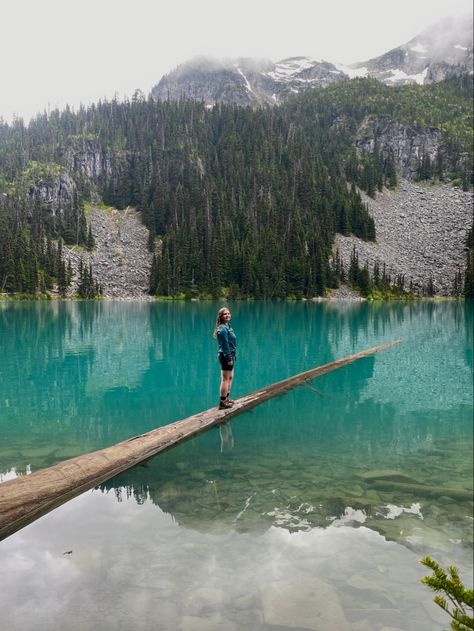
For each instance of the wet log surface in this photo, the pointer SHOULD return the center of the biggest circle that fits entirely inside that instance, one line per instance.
(27, 498)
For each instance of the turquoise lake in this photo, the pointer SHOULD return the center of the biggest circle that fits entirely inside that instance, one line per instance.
(310, 512)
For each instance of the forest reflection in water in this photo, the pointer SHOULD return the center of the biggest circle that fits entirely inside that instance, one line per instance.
(322, 455)
(293, 512)
(78, 376)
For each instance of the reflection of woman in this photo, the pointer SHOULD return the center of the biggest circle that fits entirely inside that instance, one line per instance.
(227, 439)
(226, 355)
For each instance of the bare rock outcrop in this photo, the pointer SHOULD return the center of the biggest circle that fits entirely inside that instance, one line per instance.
(85, 158)
(55, 191)
(406, 145)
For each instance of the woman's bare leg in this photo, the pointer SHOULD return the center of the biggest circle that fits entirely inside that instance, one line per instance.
(226, 382)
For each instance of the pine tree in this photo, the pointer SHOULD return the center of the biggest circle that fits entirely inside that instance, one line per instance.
(151, 241)
(428, 288)
(90, 242)
(468, 290)
(363, 280)
(353, 274)
(154, 276)
(376, 275)
(241, 197)
(457, 284)
(456, 600)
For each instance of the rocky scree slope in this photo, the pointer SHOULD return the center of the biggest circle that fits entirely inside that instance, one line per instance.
(120, 259)
(421, 232)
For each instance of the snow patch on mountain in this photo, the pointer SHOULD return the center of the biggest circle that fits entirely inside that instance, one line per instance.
(399, 76)
(247, 83)
(419, 48)
(352, 72)
(288, 68)
(439, 52)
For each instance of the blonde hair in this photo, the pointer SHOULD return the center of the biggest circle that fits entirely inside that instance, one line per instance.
(219, 319)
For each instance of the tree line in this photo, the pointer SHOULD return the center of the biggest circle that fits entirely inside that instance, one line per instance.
(233, 197)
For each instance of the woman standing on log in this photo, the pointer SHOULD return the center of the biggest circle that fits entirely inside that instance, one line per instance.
(226, 355)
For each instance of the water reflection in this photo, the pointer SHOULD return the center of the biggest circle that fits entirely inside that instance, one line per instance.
(302, 501)
(62, 361)
(78, 376)
(132, 567)
(319, 455)
(227, 438)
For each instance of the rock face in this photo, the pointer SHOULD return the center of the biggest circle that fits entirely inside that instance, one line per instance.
(56, 192)
(120, 259)
(406, 145)
(421, 231)
(85, 158)
(439, 52)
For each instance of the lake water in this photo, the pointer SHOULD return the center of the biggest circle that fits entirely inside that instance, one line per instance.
(309, 512)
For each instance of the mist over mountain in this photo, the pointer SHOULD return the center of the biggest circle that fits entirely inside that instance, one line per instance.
(245, 81)
(443, 50)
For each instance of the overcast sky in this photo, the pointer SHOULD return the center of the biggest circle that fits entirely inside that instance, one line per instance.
(58, 52)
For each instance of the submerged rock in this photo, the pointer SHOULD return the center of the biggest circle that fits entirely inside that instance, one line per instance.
(393, 475)
(311, 604)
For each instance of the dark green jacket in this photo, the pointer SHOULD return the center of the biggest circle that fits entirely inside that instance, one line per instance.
(227, 341)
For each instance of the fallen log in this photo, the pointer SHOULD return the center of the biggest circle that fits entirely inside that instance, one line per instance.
(27, 498)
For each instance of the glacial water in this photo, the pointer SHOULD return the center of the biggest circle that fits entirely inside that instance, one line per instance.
(309, 512)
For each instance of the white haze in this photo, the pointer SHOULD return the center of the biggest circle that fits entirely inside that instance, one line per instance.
(438, 40)
(58, 52)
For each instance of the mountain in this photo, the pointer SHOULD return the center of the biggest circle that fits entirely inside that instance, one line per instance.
(264, 202)
(441, 51)
(241, 200)
(245, 81)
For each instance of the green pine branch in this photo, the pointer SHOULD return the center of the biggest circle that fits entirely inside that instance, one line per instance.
(456, 600)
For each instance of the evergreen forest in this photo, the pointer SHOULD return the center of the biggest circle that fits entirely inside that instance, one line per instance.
(241, 198)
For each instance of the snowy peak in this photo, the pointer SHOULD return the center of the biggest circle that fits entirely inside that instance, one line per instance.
(442, 50)
(245, 81)
(287, 69)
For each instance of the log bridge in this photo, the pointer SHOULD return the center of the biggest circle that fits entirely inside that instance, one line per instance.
(28, 497)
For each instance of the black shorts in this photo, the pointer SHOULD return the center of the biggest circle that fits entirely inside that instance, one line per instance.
(225, 365)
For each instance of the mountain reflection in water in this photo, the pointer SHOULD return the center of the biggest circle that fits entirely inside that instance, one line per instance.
(290, 515)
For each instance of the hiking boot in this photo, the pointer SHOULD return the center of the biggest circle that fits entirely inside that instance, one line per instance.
(225, 405)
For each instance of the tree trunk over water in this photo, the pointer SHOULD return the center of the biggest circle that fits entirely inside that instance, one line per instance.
(27, 498)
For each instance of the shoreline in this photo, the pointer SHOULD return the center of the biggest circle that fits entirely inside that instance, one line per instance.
(331, 299)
